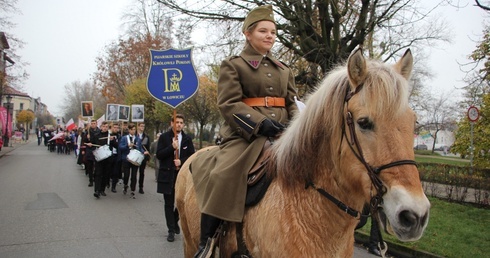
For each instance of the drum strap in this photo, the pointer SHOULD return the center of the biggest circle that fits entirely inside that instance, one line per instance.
(130, 139)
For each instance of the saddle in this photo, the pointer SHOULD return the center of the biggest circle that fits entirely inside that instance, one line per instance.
(257, 182)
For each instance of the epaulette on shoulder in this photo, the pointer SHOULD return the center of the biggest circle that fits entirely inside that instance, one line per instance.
(284, 64)
(232, 57)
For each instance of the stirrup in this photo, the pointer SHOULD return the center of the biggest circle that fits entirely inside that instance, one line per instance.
(208, 250)
(211, 250)
(383, 249)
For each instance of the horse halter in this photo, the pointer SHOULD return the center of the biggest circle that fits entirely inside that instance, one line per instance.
(373, 172)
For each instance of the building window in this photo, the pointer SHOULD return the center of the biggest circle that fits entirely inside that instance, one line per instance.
(21, 106)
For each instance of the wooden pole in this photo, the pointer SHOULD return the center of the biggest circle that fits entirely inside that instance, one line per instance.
(174, 128)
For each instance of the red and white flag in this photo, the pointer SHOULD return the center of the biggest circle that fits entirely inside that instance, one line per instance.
(70, 125)
(100, 120)
(58, 135)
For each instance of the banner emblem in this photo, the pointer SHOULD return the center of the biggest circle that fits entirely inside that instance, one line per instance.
(172, 78)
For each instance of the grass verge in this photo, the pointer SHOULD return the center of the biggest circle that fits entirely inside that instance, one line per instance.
(454, 230)
(438, 159)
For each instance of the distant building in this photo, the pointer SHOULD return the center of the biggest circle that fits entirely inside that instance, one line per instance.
(444, 138)
(22, 101)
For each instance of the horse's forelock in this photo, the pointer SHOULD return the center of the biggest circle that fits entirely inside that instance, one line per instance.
(386, 93)
(313, 137)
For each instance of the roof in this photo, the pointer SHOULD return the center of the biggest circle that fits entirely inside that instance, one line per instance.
(7, 90)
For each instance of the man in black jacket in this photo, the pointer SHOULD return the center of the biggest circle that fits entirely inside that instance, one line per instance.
(172, 151)
(145, 143)
(103, 167)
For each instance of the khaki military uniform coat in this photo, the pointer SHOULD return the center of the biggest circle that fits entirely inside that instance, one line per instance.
(220, 175)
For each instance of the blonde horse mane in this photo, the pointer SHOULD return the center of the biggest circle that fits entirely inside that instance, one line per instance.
(312, 140)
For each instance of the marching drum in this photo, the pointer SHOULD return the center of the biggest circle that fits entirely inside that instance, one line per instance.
(135, 157)
(103, 152)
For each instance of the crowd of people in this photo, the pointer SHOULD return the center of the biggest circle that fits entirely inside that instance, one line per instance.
(117, 154)
(106, 167)
(57, 139)
(103, 152)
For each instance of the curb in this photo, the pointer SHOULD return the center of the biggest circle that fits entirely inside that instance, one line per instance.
(394, 249)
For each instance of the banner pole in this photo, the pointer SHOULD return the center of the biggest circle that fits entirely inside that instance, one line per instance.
(174, 127)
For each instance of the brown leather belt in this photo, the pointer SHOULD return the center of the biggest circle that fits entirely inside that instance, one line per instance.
(265, 102)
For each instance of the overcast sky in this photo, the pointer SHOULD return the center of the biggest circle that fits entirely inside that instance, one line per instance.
(63, 38)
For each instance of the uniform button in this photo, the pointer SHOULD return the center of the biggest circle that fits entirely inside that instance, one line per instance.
(269, 75)
(248, 115)
(271, 88)
(266, 65)
(273, 115)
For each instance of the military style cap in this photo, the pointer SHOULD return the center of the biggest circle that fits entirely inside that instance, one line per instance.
(261, 13)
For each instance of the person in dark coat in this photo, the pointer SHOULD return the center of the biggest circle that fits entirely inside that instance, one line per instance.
(103, 167)
(172, 152)
(89, 158)
(126, 144)
(145, 143)
(116, 161)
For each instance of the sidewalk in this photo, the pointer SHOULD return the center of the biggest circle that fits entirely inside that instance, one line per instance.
(13, 145)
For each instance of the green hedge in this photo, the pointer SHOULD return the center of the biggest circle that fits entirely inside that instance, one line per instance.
(458, 183)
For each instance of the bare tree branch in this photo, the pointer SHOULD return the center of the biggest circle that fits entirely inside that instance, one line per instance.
(486, 8)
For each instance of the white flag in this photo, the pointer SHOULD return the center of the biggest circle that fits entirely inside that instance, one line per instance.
(80, 123)
(100, 120)
(58, 135)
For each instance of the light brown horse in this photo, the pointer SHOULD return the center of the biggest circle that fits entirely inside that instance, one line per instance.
(353, 140)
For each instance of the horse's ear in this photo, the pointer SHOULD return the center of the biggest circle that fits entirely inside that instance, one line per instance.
(405, 64)
(356, 67)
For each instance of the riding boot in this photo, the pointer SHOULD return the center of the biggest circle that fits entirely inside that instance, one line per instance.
(209, 225)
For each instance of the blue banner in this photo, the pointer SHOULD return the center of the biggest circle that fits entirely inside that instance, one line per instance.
(172, 78)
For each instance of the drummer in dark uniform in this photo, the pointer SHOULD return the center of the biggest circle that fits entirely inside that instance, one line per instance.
(126, 144)
(103, 167)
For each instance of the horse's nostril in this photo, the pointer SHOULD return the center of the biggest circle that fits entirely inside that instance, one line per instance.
(407, 218)
(424, 219)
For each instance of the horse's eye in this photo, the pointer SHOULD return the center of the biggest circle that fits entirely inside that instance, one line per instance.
(365, 124)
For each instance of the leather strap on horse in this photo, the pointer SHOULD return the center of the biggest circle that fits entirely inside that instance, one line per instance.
(242, 251)
(354, 213)
(265, 102)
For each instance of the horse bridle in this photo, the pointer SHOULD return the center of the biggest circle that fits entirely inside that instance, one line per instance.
(373, 172)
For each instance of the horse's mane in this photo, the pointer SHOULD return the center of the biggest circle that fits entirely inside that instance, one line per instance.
(312, 141)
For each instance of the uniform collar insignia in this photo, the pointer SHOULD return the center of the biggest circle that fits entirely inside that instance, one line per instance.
(254, 63)
(251, 57)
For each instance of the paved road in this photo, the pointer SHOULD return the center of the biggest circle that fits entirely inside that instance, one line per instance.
(47, 210)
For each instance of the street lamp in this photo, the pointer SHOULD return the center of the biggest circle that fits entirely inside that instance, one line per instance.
(6, 137)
